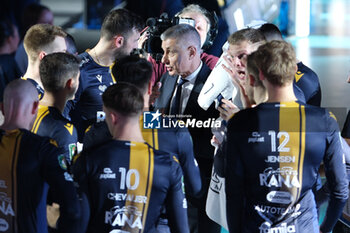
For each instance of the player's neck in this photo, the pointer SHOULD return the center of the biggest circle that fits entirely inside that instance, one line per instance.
(128, 131)
(33, 73)
(51, 100)
(102, 54)
(280, 94)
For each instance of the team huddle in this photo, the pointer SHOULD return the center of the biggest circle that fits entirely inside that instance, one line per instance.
(84, 146)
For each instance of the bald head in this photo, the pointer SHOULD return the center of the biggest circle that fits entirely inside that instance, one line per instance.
(20, 104)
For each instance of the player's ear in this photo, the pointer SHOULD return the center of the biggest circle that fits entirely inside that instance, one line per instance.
(35, 107)
(69, 83)
(261, 75)
(42, 54)
(118, 41)
(251, 80)
(149, 89)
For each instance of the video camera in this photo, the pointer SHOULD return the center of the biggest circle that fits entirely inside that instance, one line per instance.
(156, 26)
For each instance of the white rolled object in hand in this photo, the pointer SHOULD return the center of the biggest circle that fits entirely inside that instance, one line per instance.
(218, 82)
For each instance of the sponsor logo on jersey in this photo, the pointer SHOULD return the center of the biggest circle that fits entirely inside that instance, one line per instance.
(279, 177)
(73, 150)
(5, 204)
(69, 127)
(107, 174)
(256, 137)
(68, 177)
(99, 78)
(126, 197)
(4, 226)
(102, 88)
(280, 159)
(184, 203)
(279, 197)
(100, 116)
(3, 184)
(151, 120)
(277, 210)
(121, 216)
(62, 162)
(283, 228)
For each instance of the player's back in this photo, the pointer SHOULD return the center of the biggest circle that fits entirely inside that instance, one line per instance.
(28, 163)
(51, 123)
(274, 153)
(127, 183)
(174, 140)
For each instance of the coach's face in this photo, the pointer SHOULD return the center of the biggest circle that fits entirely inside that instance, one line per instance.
(176, 57)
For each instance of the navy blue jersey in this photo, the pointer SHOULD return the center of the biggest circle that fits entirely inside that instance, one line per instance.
(346, 129)
(126, 185)
(87, 105)
(299, 94)
(273, 155)
(307, 80)
(50, 123)
(28, 164)
(175, 141)
(38, 88)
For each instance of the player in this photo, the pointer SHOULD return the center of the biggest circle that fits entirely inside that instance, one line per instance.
(274, 152)
(40, 40)
(59, 73)
(125, 181)
(119, 36)
(28, 164)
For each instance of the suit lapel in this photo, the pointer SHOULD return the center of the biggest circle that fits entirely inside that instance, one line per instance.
(167, 89)
(197, 87)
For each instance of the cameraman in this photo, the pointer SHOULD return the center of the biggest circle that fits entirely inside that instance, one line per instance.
(202, 25)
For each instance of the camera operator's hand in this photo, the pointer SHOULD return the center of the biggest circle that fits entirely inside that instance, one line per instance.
(227, 109)
(144, 36)
(155, 93)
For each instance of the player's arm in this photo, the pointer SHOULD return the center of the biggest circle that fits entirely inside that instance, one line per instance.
(234, 185)
(176, 204)
(336, 177)
(61, 183)
(79, 171)
(188, 163)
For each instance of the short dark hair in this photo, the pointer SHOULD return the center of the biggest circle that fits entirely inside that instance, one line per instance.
(56, 68)
(277, 62)
(183, 33)
(123, 98)
(271, 32)
(248, 34)
(120, 21)
(6, 30)
(71, 45)
(133, 69)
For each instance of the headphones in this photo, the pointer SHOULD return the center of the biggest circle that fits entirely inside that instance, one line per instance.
(213, 31)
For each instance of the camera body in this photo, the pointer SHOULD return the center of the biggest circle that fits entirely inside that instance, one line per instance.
(156, 26)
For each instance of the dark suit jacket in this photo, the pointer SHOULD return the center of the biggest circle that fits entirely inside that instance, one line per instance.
(201, 136)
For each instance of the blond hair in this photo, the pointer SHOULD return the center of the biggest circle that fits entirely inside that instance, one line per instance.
(39, 37)
(277, 62)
